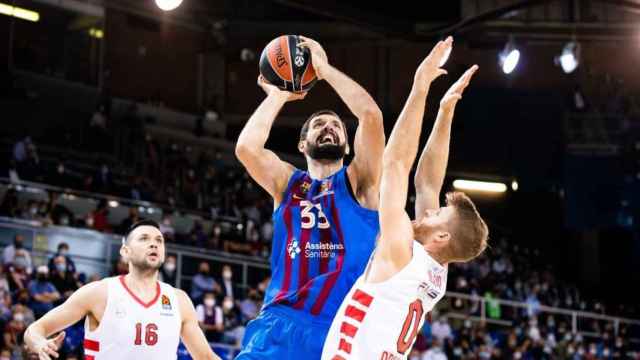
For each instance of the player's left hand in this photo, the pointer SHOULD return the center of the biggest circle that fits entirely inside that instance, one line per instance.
(430, 68)
(49, 348)
(319, 58)
(451, 97)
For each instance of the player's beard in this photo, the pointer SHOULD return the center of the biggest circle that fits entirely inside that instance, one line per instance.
(326, 152)
(143, 265)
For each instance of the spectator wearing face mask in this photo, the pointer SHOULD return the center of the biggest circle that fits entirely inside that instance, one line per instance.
(228, 287)
(203, 282)
(13, 336)
(210, 317)
(18, 272)
(9, 253)
(63, 250)
(233, 329)
(62, 279)
(42, 292)
(250, 306)
(26, 314)
(168, 271)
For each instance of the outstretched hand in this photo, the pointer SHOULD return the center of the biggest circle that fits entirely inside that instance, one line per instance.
(49, 348)
(451, 97)
(273, 90)
(430, 68)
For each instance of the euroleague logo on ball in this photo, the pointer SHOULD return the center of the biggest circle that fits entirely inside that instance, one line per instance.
(299, 60)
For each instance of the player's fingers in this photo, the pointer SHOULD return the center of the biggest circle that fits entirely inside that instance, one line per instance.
(42, 355)
(51, 352)
(59, 339)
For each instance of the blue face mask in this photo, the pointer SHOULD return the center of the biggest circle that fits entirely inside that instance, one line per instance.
(20, 262)
(61, 267)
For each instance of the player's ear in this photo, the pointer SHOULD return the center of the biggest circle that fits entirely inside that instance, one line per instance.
(442, 237)
(124, 251)
(301, 146)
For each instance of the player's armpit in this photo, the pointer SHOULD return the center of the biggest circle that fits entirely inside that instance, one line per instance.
(191, 333)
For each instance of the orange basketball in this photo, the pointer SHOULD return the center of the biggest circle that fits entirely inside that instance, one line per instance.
(286, 65)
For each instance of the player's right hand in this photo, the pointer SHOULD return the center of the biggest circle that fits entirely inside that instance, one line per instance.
(272, 90)
(49, 348)
(430, 68)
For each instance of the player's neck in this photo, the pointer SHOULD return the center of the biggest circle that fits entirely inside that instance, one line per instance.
(320, 169)
(141, 280)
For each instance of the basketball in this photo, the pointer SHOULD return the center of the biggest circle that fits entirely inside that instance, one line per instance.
(286, 65)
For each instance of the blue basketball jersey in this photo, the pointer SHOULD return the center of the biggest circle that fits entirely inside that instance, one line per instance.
(321, 244)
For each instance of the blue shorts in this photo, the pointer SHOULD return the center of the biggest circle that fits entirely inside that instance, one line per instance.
(278, 334)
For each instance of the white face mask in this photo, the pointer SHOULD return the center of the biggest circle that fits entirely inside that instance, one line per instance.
(170, 267)
(18, 317)
(227, 305)
(209, 302)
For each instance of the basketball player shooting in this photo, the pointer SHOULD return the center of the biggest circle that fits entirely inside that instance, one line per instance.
(130, 317)
(384, 311)
(325, 221)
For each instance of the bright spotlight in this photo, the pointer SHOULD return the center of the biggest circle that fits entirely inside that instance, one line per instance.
(509, 57)
(484, 186)
(114, 203)
(514, 185)
(569, 59)
(168, 5)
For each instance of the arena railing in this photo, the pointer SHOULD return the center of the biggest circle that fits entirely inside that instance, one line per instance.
(96, 253)
(574, 318)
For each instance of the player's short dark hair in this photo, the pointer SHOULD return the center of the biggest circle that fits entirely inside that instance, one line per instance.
(143, 222)
(305, 126)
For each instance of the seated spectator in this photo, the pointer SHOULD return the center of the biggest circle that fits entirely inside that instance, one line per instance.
(250, 306)
(13, 336)
(210, 317)
(120, 268)
(166, 228)
(133, 218)
(62, 279)
(9, 253)
(26, 313)
(18, 272)
(58, 213)
(42, 292)
(228, 286)
(233, 329)
(63, 250)
(98, 219)
(4, 282)
(168, 272)
(203, 282)
(10, 206)
(441, 330)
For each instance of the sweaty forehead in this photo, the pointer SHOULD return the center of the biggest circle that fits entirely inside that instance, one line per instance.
(143, 230)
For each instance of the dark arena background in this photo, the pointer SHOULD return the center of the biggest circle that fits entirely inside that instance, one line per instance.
(115, 110)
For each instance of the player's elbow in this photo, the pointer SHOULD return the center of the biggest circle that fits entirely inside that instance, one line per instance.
(244, 151)
(372, 114)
